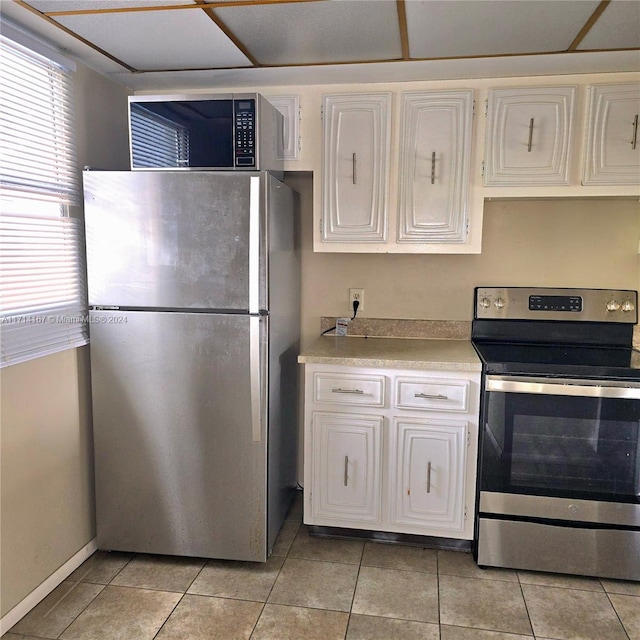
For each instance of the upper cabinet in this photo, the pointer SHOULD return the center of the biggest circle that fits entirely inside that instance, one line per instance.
(406, 167)
(435, 154)
(529, 136)
(420, 207)
(355, 167)
(613, 150)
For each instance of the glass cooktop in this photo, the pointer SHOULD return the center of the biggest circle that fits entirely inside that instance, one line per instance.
(560, 360)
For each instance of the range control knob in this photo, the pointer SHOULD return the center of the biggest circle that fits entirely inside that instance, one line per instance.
(613, 305)
(500, 303)
(627, 306)
(485, 302)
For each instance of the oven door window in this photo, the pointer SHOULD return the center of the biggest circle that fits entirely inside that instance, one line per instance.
(575, 447)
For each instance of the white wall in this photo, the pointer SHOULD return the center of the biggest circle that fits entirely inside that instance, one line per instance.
(46, 495)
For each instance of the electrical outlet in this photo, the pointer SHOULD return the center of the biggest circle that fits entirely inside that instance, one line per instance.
(356, 294)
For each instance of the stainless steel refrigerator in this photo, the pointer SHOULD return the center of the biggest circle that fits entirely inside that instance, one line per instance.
(193, 280)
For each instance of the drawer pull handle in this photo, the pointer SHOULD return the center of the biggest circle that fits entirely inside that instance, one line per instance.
(358, 392)
(634, 140)
(431, 396)
(433, 167)
(353, 165)
(346, 471)
(429, 476)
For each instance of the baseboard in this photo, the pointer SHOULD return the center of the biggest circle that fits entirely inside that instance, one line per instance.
(41, 592)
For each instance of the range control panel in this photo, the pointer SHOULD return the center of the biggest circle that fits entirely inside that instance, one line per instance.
(528, 303)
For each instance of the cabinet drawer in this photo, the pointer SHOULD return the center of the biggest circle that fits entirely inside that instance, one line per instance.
(343, 388)
(432, 395)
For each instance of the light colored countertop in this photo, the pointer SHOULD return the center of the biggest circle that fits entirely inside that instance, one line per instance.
(396, 353)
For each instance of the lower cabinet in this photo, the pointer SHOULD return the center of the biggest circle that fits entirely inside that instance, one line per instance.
(400, 456)
(429, 461)
(346, 466)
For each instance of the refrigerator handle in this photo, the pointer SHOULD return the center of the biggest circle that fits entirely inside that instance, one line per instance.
(254, 245)
(256, 379)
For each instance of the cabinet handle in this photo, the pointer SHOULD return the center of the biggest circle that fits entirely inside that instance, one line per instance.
(635, 133)
(530, 134)
(429, 476)
(433, 167)
(346, 470)
(353, 165)
(431, 396)
(357, 392)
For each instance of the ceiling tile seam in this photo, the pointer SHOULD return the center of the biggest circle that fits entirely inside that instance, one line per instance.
(588, 25)
(385, 61)
(173, 7)
(404, 32)
(73, 34)
(211, 14)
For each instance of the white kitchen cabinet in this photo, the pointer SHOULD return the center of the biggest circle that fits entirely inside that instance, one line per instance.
(422, 205)
(289, 107)
(428, 465)
(355, 163)
(612, 155)
(529, 136)
(346, 466)
(435, 155)
(391, 449)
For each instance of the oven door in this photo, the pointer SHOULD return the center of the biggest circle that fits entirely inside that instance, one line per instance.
(560, 476)
(577, 439)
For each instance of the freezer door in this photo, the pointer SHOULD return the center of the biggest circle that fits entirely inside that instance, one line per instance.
(174, 239)
(180, 433)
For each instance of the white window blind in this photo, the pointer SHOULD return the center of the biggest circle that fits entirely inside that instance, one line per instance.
(42, 286)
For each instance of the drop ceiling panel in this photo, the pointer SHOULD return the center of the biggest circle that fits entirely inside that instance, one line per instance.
(619, 25)
(441, 29)
(79, 5)
(152, 40)
(316, 32)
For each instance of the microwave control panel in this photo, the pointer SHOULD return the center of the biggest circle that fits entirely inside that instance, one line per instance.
(245, 133)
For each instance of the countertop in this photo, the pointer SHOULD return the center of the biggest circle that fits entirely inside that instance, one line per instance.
(396, 353)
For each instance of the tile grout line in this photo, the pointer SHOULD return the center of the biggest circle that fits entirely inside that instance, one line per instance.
(104, 586)
(72, 588)
(264, 604)
(177, 604)
(624, 629)
(155, 635)
(438, 593)
(526, 607)
(355, 588)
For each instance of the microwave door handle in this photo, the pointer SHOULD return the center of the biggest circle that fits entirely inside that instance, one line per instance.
(563, 387)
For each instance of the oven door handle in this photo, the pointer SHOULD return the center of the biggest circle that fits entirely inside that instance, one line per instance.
(564, 387)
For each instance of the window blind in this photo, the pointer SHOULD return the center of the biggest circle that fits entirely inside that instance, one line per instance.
(42, 284)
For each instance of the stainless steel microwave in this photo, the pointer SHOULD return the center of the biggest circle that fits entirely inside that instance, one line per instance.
(241, 132)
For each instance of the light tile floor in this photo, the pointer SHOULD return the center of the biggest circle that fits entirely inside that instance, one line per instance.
(321, 589)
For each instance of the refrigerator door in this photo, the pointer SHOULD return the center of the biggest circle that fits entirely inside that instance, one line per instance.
(172, 239)
(284, 347)
(179, 409)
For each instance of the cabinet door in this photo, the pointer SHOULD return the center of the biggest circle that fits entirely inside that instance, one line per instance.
(428, 479)
(529, 136)
(435, 155)
(346, 452)
(356, 130)
(613, 148)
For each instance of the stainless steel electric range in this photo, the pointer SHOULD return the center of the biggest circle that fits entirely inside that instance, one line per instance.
(559, 467)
